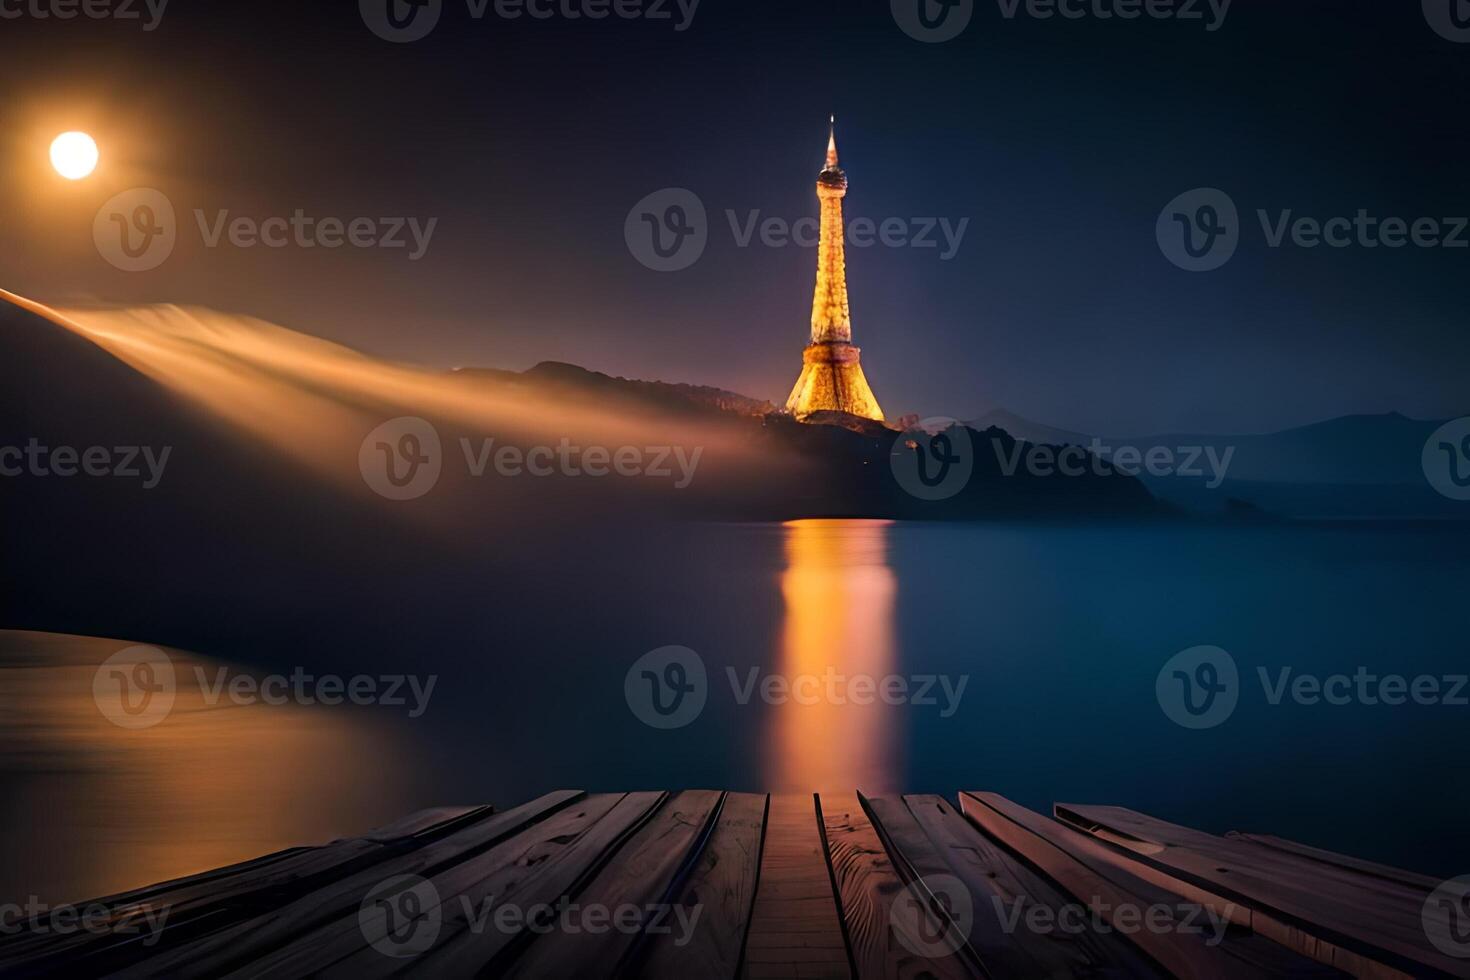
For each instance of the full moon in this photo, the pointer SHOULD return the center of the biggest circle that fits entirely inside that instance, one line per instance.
(74, 155)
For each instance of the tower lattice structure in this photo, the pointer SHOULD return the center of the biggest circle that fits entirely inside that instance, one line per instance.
(832, 376)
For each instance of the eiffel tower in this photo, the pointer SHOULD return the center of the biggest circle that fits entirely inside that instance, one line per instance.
(832, 373)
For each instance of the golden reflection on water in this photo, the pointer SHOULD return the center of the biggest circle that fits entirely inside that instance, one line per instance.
(94, 809)
(839, 595)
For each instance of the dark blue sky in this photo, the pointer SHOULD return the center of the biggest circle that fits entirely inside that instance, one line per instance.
(530, 140)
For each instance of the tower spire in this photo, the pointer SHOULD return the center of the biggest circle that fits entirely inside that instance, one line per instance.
(832, 144)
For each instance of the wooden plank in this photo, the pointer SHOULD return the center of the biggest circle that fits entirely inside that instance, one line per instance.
(1367, 925)
(214, 875)
(868, 886)
(435, 820)
(794, 926)
(640, 877)
(237, 942)
(723, 887)
(420, 822)
(28, 947)
(531, 872)
(212, 899)
(293, 863)
(1191, 938)
(1002, 888)
(342, 937)
(1413, 880)
(924, 870)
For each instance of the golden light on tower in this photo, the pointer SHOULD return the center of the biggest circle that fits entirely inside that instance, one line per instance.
(74, 155)
(832, 377)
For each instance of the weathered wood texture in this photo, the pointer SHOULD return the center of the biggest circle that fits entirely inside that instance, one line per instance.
(264, 932)
(892, 930)
(1018, 917)
(1367, 923)
(205, 903)
(735, 885)
(1190, 936)
(648, 868)
(718, 895)
(1369, 868)
(492, 904)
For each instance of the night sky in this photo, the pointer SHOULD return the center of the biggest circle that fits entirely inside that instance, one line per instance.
(530, 140)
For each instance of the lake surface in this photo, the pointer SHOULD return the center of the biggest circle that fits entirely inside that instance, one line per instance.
(1036, 649)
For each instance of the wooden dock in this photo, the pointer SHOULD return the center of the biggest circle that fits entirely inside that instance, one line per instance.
(701, 884)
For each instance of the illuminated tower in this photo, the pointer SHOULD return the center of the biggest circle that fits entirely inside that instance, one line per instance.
(831, 375)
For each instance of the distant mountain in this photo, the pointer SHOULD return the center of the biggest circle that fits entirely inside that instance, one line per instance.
(1028, 430)
(671, 397)
(1353, 449)
(1367, 450)
(1355, 465)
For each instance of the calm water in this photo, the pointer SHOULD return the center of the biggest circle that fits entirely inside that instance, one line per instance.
(1057, 634)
